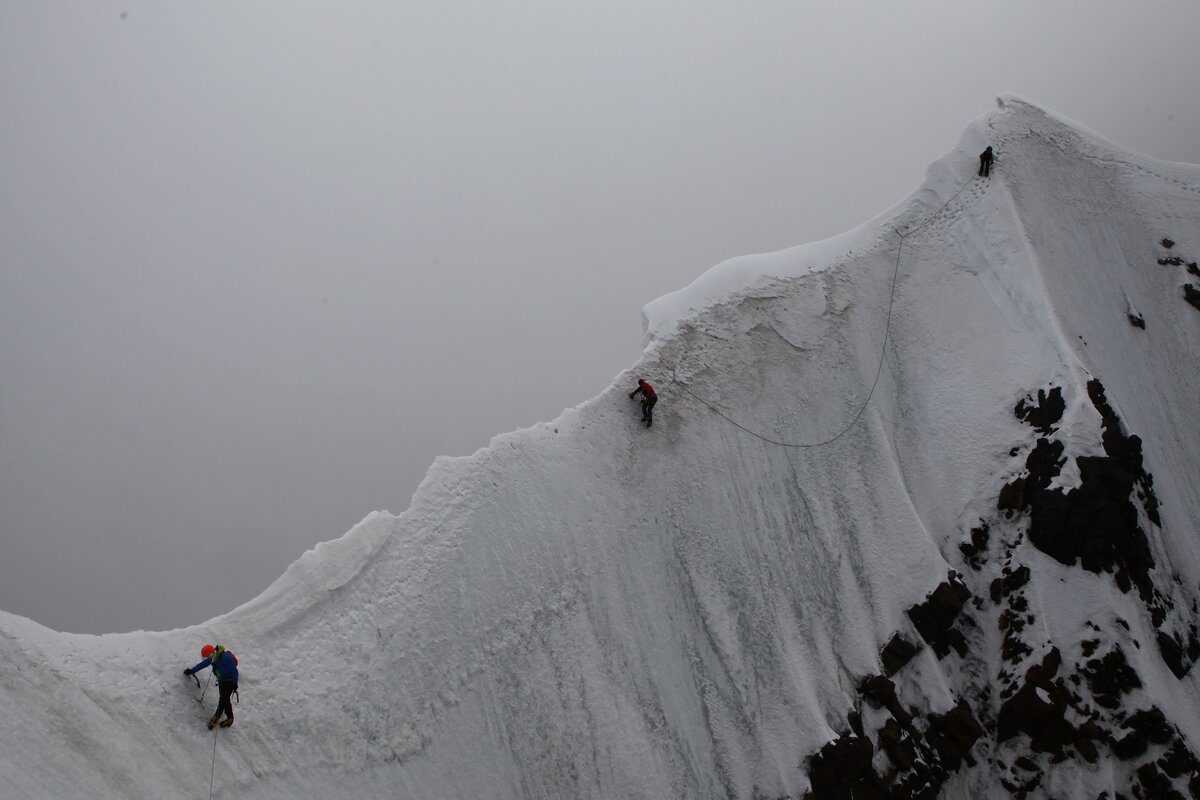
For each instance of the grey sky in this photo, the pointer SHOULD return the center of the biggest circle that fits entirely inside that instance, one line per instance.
(261, 262)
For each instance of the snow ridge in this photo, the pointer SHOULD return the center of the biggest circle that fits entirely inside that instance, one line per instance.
(586, 608)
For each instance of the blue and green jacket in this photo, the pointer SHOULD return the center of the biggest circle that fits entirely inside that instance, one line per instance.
(223, 667)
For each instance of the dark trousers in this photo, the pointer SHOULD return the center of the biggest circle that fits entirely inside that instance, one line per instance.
(985, 167)
(648, 407)
(227, 689)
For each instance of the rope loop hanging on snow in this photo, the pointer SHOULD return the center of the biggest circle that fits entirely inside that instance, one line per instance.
(882, 350)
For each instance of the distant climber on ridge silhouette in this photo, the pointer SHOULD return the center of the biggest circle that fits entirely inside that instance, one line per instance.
(649, 398)
(985, 162)
(224, 667)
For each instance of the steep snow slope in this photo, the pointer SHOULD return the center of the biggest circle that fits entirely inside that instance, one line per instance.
(588, 608)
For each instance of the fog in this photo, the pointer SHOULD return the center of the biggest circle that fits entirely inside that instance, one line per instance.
(261, 263)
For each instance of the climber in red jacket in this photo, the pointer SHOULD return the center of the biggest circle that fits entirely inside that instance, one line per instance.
(649, 398)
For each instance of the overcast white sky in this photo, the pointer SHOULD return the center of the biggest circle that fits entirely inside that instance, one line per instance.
(261, 262)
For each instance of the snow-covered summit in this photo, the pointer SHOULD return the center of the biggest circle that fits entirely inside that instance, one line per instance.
(918, 514)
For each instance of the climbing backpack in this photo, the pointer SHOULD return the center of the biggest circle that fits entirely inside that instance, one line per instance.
(222, 649)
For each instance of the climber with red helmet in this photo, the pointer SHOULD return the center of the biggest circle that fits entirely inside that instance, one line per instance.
(649, 398)
(224, 667)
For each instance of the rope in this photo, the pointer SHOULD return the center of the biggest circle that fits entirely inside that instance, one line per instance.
(882, 350)
(207, 680)
(212, 771)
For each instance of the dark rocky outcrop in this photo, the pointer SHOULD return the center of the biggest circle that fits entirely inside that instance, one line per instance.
(1153, 785)
(881, 693)
(1094, 524)
(1097, 524)
(1010, 582)
(1125, 450)
(1044, 412)
(1143, 729)
(855, 720)
(1038, 709)
(1152, 724)
(1178, 657)
(923, 749)
(897, 744)
(923, 755)
(975, 549)
(934, 618)
(1110, 678)
(1042, 466)
(898, 652)
(953, 734)
(842, 770)
(1179, 760)
(1192, 295)
(1043, 707)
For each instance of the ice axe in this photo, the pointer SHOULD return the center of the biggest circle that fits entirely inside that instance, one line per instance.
(203, 691)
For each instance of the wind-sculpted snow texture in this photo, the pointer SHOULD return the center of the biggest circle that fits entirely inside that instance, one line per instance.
(986, 587)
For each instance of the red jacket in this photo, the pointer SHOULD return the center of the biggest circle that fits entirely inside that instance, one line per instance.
(645, 388)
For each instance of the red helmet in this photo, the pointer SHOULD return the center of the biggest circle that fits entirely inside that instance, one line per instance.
(206, 651)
